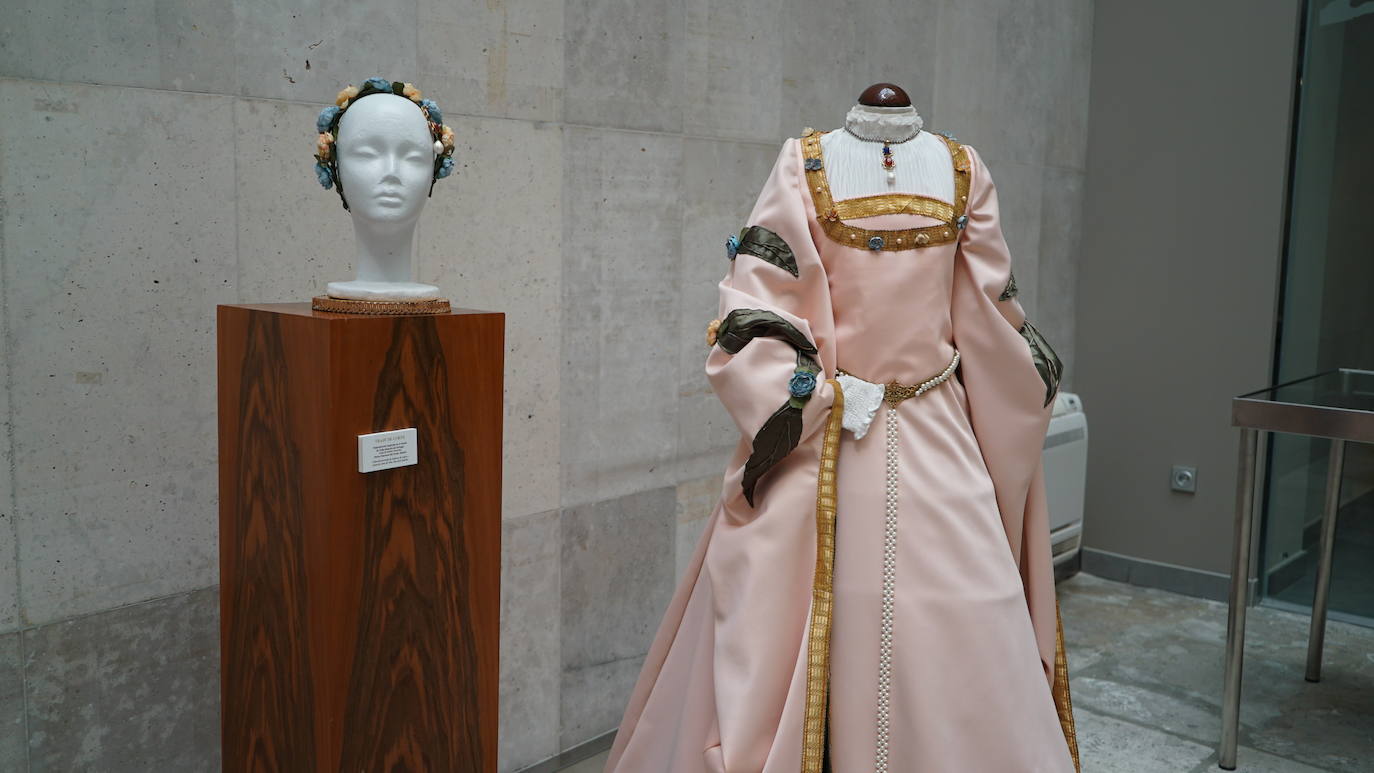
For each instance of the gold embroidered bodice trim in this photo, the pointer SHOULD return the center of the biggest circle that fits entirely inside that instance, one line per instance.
(895, 204)
(832, 214)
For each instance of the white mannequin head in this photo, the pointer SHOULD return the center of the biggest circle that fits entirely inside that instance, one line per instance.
(385, 161)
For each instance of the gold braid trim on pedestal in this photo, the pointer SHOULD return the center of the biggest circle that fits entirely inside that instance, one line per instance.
(822, 595)
(347, 306)
(1062, 702)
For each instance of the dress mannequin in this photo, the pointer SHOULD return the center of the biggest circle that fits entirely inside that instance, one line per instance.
(386, 160)
(918, 629)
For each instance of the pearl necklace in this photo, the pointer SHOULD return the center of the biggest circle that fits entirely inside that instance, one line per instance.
(888, 161)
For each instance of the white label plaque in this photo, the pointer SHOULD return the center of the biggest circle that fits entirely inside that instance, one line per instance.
(385, 450)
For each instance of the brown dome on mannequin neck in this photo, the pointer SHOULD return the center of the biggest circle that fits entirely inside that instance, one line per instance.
(884, 95)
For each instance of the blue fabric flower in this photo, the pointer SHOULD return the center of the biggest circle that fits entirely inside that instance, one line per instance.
(434, 115)
(813, 164)
(731, 246)
(326, 119)
(380, 84)
(445, 168)
(803, 383)
(323, 174)
(876, 243)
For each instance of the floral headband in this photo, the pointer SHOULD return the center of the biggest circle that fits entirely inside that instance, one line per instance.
(327, 161)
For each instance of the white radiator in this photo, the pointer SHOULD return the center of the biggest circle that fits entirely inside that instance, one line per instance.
(1066, 466)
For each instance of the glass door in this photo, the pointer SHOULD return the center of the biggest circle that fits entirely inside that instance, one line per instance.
(1327, 309)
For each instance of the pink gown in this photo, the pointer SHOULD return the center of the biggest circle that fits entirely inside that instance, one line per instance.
(768, 657)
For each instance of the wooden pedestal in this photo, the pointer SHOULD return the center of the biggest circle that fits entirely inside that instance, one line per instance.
(359, 612)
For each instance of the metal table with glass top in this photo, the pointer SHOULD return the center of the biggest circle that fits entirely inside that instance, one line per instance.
(1337, 404)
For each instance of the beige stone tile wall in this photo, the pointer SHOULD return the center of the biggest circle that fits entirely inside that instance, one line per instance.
(9, 547)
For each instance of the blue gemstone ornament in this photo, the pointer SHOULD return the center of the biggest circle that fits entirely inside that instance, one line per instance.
(876, 243)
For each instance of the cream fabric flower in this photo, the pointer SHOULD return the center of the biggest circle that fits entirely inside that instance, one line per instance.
(410, 92)
(347, 94)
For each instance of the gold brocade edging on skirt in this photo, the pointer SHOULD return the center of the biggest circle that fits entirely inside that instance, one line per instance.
(1062, 702)
(822, 594)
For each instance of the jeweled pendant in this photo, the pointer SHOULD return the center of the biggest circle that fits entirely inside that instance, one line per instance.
(889, 164)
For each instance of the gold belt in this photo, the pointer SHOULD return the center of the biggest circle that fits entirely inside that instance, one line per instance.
(894, 393)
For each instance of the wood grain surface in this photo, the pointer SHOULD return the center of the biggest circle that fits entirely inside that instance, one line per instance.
(366, 604)
(265, 652)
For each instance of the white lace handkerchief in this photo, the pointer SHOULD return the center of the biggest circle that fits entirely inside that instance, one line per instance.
(861, 401)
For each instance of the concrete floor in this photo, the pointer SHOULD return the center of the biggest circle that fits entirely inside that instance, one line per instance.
(1146, 672)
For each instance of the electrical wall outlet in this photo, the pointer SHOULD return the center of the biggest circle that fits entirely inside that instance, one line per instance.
(1183, 478)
